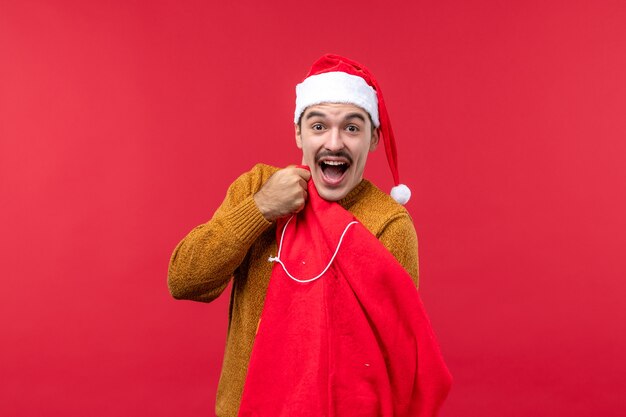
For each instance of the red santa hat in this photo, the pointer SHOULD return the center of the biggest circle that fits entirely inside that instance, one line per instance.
(336, 79)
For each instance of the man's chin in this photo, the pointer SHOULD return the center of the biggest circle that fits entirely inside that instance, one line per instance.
(331, 194)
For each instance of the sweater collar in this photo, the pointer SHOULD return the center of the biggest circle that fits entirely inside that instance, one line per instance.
(355, 194)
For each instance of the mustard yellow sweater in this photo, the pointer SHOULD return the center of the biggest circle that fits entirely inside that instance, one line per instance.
(237, 242)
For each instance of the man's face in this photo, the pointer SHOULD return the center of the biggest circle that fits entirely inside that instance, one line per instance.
(335, 140)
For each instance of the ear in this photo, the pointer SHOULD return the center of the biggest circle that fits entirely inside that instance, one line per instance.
(298, 136)
(374, 141)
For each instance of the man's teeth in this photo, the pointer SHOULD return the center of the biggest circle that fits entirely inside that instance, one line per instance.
(334, 163)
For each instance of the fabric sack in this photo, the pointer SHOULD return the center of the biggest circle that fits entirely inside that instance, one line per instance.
(354, 342)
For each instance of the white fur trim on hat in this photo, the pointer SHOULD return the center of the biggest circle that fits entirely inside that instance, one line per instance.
(336, 87)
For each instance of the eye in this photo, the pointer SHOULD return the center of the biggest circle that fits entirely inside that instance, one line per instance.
(317, 126)
(352, 128)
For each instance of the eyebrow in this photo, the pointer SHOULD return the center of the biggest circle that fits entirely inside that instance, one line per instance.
(314, 114)
(348, 116)
(355, 115)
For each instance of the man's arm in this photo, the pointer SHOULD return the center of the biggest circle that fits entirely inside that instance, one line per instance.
(204, 261)
(399, 237)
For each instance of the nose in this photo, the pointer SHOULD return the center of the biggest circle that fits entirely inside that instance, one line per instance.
(335, 141)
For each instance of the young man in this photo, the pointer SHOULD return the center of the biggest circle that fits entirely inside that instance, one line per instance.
(340, 117)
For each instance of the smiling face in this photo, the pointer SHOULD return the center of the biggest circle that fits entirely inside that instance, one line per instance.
(335, 140)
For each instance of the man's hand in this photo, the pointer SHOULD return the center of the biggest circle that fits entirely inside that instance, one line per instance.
(284, 193)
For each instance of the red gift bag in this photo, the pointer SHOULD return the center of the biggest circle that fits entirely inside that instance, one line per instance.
(343, 332)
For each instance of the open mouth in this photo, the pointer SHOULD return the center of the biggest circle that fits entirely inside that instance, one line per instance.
(333, 169)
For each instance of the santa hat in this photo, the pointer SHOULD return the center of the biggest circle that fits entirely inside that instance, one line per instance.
(336, 79)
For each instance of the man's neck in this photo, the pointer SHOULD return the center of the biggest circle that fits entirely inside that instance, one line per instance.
(353, 195)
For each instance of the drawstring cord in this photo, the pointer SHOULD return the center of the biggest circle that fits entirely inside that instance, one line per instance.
(280, 246)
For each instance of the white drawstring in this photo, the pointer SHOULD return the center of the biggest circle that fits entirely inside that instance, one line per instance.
(280, 246)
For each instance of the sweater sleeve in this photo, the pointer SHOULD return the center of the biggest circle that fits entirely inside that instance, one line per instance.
(204, 261)
(399, 237)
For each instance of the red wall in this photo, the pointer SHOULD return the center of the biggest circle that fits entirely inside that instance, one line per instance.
(123, 122)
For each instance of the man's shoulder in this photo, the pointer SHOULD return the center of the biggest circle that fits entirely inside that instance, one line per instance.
(253, 179)
(375, 209)
(381, 202)
(262, 171)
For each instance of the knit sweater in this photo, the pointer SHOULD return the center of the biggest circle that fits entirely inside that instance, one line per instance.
(236, 244)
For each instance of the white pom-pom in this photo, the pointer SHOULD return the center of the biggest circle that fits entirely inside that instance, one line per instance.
(401, 193)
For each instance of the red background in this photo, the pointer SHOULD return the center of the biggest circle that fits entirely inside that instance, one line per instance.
(123, 122)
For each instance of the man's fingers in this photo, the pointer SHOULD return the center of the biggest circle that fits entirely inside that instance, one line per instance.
(299, 207)
(284, 192)
(304, 173)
